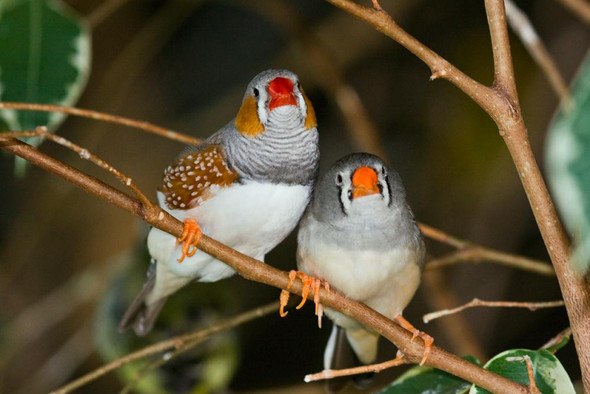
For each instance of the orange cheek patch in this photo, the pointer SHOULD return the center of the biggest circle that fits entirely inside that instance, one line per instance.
(247, 121)
(310, 119)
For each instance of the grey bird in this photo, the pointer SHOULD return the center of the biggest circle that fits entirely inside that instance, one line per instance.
(359, 235)
(246, 186)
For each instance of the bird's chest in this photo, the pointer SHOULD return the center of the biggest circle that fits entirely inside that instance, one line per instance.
(251, 217)
(360, 274)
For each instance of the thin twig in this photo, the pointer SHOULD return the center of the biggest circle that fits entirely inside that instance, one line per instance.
(86, 113)
(53, 308)
(158, 363)
(172, 343)
(474, 254)
(532, 306)
(62, 363)
(103, 11)
(42, 132)
(532, 384)
(469, 252)
(567, 333)
(523, 27)
(255, 270)
(331, 373)
(442, 237)
(579, 7)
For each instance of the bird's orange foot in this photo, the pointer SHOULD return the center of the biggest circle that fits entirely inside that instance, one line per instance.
(376, 5)
(309, 283)
(190, 238)
(428, 340)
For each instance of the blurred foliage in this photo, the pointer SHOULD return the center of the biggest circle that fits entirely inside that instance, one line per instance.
(568, 163)
(208, 367)
(45, 55)
(422, 379)
(550, 376)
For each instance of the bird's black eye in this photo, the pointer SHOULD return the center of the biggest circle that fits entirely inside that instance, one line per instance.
(339, 179)
(298, 85)
(383, 170)
(350, 195)
(256, 92)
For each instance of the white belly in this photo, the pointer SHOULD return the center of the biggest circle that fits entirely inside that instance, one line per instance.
(384, 280)
(251, 218)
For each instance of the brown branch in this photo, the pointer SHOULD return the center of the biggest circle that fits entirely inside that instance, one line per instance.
(523, 27)
(504, 82)
(567, 333)
(439, 67)
(172, 343)
(85, 154)
(532, 384)
(470, 252)
(501, 103)
(376, 368)
(86, 113)
(579, 7)
(103, 11)
(257, 271)
(532, 306)
(477, 253)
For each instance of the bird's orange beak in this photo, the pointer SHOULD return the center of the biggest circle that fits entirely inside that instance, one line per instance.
(364, 182)
(281, 93)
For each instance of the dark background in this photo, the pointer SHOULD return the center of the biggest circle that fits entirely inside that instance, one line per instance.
(184, 65)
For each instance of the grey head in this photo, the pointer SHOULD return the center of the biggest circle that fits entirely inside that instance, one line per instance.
(364, 200)
(274, 136)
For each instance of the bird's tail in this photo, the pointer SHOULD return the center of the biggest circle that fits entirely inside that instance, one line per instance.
(339, 354)
(140, 315)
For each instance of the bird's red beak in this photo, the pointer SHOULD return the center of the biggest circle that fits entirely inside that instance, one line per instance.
(281, 93)
(364, 182)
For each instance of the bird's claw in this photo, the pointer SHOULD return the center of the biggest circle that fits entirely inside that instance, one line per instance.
(309, 283)
(190, 238)
(428, 340)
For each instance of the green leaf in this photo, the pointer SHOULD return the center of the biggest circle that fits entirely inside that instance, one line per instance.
(564, 341)
(44, 58)
(568, 164)
(428, 380)
(550, 376)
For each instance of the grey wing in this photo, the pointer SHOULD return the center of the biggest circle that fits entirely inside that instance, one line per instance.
(139, 315)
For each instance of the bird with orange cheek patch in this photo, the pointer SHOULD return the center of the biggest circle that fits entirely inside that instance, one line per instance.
(246, 186)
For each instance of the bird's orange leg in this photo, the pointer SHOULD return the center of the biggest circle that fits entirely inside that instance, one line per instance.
(190, 238)
(309, 283)
(376, 5)
(284, 297)
(428, 340)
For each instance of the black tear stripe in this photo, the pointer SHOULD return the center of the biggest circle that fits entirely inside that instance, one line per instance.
(340, 191)
(388, 191)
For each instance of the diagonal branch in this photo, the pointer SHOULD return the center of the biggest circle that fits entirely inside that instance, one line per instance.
(178, 342)
(525, 30)
(579, 7)
(531, 306)
(503, 69)
(501, 104)
(257, 271)
(91, 114)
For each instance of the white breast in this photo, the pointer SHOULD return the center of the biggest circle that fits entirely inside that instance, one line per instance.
(384, 280)
(251, 218)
